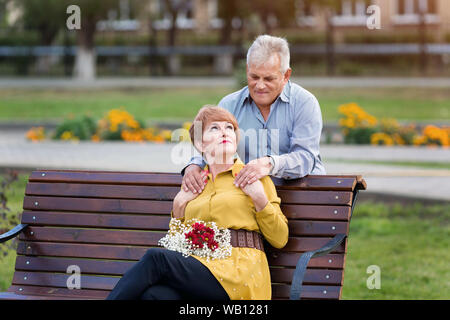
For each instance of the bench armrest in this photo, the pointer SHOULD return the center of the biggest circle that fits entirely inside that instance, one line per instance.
(12, 233)
(302, 263)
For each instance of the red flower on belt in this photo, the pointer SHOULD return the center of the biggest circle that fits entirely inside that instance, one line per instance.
(201, 235)
(197, 237)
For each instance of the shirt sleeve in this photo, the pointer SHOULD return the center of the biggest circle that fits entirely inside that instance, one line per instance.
(271, 221)
(198, 160)
(304, 143)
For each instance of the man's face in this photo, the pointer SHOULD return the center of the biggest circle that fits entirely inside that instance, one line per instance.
(265, 81)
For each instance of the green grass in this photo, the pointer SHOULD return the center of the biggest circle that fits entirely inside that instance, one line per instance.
(408, 242)
(8, 220)
(183, 103)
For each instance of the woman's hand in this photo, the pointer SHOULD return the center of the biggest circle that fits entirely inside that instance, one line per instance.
(185, 196)
(256, 191)
(180, 202)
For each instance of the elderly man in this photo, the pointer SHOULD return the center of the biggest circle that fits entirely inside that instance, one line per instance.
(281, 122)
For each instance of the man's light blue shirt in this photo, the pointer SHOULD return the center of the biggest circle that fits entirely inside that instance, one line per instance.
(291, 134)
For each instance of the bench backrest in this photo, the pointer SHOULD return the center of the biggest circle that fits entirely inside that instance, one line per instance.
(103, 222)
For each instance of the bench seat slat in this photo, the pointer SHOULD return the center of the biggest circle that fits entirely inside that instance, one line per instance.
(118, 268)
(122, 221)
(303, 212)
(311, 182)
(106, 177)
(341, 198)
(316, 212)
(119, 252)
(296, 227)
(38, 292)
(168, 193)
(143, 238)
(312, 276)
(96, 205)
(102, 191)
(50, 279)
(154, 206)
(282, 291)
(101, 236)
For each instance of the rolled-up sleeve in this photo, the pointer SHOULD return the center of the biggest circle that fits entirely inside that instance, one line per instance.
(304, 143)
(271, 220)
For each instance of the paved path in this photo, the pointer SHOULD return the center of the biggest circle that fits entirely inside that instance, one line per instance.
(393, 179)
(161, 82)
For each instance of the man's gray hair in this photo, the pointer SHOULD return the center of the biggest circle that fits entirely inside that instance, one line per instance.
(264, 47)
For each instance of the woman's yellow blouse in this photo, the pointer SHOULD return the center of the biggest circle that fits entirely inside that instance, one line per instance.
(245, 274)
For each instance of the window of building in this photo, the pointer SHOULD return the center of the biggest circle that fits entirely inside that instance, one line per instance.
(304, 13)
(408, 11)
(351, 12)
(184, 18)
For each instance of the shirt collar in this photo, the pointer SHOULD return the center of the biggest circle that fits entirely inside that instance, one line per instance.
(235, 168)
(284, 95)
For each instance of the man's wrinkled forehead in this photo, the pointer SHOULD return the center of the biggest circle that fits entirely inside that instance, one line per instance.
(268, 67)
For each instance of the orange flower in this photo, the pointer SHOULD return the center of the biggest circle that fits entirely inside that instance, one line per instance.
(36, 134)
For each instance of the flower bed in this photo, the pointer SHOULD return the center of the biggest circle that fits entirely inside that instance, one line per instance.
(359, 127)
(116, 125)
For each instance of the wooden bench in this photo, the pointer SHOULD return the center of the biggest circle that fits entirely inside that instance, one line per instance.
(103, 222)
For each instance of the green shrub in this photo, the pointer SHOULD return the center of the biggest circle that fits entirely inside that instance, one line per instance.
(82, 128)
(359, 135)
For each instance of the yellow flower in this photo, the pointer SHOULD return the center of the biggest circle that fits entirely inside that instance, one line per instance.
(67, 135)
(118, 117)
(187, 125)
(166, 134)
(419, 140)
(355, 117)
(398, 139)
(436, 134)
(381, 138)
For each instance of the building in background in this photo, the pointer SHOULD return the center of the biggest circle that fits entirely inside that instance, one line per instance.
(396, 15)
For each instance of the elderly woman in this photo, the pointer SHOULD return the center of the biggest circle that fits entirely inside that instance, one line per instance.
(250, 213)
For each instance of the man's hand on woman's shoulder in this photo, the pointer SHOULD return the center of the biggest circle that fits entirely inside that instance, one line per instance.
(194, 179)
(253, 171)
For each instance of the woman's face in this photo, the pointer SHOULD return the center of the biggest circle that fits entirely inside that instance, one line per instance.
(219, 141)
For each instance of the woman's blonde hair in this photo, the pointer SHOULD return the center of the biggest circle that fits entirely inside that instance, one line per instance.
(209, 113)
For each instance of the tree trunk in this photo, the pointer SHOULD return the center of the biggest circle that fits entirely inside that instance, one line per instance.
(85, 60)
(152, 47)
(330, 55)
(85, 64)
(423, 43)
(173, 59)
